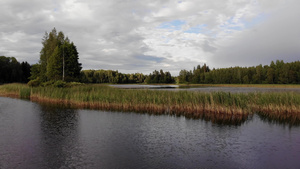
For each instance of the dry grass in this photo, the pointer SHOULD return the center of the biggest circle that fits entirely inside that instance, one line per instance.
(215, 105)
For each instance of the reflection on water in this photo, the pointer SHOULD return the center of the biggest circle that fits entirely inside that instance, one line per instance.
(60, 136)
(222, 118)
(208, 88)
(43, 136)
(290, 121)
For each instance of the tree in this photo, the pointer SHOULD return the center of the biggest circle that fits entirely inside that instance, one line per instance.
(184, 76)
(25, 68)
(35, 71)
(54, 66)
(159, 77)
(72, 66)
(58, 59)
(12, 71)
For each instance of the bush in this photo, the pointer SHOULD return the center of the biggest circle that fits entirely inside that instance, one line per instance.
(34, 83)
(49, 83)
(72, 84)
(59, 84)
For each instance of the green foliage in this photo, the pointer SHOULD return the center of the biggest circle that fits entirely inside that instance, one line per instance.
(34, 83)
(74, 84)
(35, 71)
(58, 55)
(54, 66)
(160, 77)
(72, 66)
(275, 73)
(59, 84)
(48, 83)
(110, 76)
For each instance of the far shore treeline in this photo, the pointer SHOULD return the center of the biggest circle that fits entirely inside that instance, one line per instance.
(13, 71)
(276, 73)
(59, 64)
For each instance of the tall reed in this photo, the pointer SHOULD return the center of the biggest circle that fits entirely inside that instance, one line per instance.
(25, 93)
(284, 105)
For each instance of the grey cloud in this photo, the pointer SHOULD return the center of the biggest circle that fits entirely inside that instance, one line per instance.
(207, 47)
(278, 38)
(150, 58)
(108, 35)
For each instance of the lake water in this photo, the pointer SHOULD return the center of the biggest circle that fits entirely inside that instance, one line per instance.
(41, 136)
(208, 89)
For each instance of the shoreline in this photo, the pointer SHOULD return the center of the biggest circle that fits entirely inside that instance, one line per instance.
(276, 106)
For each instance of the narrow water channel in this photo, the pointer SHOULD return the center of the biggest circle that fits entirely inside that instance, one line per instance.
(43, 136)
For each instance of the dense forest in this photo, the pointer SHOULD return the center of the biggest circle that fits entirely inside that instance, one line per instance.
(13, 71)
(160, 77)
(275, 73)
(110, 76)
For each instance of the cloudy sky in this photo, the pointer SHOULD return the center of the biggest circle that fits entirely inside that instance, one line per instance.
(143, 35)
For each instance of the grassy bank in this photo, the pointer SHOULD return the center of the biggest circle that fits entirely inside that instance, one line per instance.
(190, 104)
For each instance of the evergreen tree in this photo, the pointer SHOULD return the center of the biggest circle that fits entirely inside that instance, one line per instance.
(72, 66)
(25, 68)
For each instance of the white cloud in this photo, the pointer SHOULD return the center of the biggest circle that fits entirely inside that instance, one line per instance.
(140, 36)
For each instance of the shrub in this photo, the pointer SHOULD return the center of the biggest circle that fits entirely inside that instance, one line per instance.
(73, 84)
(59, 84)
(49, 83)
(34, 83)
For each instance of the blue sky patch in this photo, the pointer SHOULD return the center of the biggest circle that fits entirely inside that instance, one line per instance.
(173, 25)
(231, 25)
(196, 29)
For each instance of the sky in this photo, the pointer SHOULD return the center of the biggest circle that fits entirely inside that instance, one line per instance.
(140, 36)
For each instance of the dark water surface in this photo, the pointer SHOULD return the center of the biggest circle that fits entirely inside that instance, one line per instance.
(39, 136)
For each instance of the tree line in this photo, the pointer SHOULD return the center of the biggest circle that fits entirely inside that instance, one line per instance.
(160, 77)
(111, 76)
(276, 73)
(59, 62)
(13, 71)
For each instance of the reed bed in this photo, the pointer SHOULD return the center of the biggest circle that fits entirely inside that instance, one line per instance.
(230, 106)
(15, 90)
